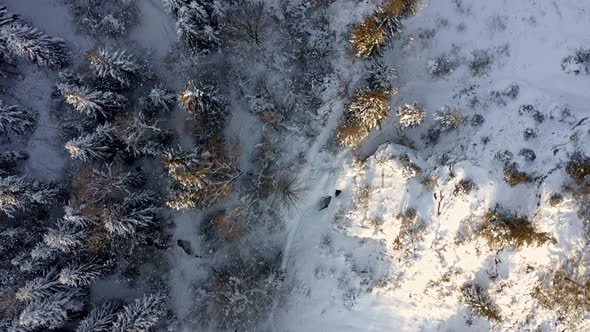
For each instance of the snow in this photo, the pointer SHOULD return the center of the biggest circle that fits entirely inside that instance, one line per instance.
(343, 271)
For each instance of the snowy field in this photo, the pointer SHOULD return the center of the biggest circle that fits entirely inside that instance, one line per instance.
(471, 216)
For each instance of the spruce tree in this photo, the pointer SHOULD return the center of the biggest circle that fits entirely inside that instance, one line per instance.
(116, 64)
(100, 319)
(16, 120)
(197, 26)
(39, 288)
(110, 180)
(140, 315)
(9, 161)
(81, 273)
(5, 17)
(201, 178)
(137, 211)
(161, 98)
(93, 146)
(139, 136)
(18, 193)
(65, 237)
(92, 103)
(30, 43)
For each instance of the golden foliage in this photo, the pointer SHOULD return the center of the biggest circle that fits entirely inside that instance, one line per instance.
(370, 107)
(187, 97)
(351, 134)
(398, 8)
(513, 176)
(367, 37)
(95, 58)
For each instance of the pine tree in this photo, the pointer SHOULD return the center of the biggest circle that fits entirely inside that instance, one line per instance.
(139, 136)
(16, 120)
(92, 103)
(197, 26)
(81, 273)
(203, 179)
(351, 134)
(50, 312)
(93, 146)
(65, 237)
(114, 64)
(448, 119)
(411, 115)
(39, 288)
(22, 193)
(30, 43)
(100, 319)
(141, 315)
(198, 101)
(75, 217)
(381, 76)
(110, 180)
(5, 18)
(161, 97)
(172, 6)
(124, 219)
(368, 37)
(9, 161)
(369, 108)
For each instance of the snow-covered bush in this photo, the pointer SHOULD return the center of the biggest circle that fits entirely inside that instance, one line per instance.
(579, 63)
(448, 119)
(503, 230)
(411, 115)
(513, 176)
(480, 62)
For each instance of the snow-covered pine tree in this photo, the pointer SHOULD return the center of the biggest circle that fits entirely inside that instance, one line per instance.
(139, 136)
(172, 6)
(207, 111)
(369, 108)
(197, 26)
(91, 103)
(75, 217)
(202, 179)
(160, 97)
(411, 115)
(110, 180)
(81, 273)
(16, 120)
(22, 193)
(32, 44)
(9, 161)
(93, 146)
(448, 119)
(199, 101)
(351, 134)
(116, 64)
(380, 76)
(51, 312)
(100, 318)
(39, 288)
(124, 219)
(140, 315)
(368, 37)
(65, 237)
(5, 17)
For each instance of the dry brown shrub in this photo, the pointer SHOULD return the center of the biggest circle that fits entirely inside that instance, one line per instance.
(502, 230)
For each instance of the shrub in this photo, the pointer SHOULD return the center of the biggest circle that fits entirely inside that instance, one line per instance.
(480, 62)
(464, 187)
(477, 299)
(578, 167)
(513, 176)
(504, 230)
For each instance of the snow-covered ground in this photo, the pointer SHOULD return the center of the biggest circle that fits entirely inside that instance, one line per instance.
(349, 274)
(353, 266)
